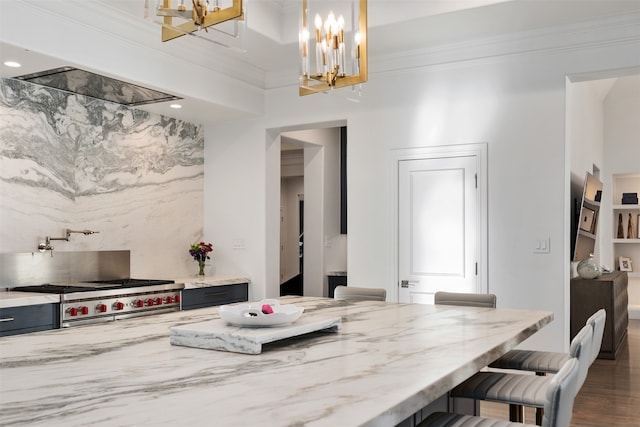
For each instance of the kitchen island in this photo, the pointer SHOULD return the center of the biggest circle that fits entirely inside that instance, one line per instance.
(387, 362)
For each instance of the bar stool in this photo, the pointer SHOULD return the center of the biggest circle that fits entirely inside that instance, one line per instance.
(524, 390)
(560, 396)
(544, 362)
(351, 293)
(547, 361)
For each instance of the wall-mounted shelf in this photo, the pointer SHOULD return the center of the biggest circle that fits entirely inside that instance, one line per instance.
(626, 240)
(589, 235)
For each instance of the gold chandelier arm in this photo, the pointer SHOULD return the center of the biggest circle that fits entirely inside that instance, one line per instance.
(170, 32)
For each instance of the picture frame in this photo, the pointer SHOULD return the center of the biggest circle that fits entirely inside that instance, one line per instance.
(587, 219)
(625, 263)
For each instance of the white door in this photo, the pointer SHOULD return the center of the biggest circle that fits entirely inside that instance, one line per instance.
(438, 227)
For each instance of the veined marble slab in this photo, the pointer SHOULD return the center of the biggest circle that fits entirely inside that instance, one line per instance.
(218, 335)
(388, 361)
(73, 161)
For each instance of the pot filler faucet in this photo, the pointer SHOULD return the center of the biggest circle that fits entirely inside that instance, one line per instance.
(46, 246)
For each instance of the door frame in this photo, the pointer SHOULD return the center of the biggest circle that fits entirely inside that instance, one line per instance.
(479, 151)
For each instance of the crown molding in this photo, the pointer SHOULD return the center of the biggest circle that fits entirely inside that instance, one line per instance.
(617, 30)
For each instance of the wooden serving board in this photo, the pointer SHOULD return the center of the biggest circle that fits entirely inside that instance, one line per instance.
(218, 335)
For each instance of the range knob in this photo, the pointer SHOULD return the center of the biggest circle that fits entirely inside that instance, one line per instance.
(84, 310)
(150, 302)
(73, 312)
(158, 301)
(101, 308)
(169, 299)
(118, 305)
(177, 298)
(139, 303)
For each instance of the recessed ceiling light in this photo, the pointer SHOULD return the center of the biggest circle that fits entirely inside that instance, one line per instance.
(12, 64)
(176, 106)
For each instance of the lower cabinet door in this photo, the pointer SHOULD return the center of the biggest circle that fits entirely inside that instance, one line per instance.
(29, 318)
(214, 295)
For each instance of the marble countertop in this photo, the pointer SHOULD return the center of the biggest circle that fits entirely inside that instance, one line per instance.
(387, 361)
(207, 281)
(18, 299)
(336, 273)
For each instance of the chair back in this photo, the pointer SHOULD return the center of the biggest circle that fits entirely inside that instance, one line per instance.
(561, 394)
(465, 299)
(580, 349)
(597, 321)
(351, 293)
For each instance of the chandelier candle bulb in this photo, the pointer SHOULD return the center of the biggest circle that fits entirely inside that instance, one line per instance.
(304, 50)
(319, 46)
(338, 51)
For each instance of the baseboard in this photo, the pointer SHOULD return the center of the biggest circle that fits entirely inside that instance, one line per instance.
(634, 312)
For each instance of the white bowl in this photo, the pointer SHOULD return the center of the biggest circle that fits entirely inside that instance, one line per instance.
(251, 315)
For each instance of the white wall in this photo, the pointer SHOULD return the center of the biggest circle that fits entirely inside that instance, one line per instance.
(516, 104)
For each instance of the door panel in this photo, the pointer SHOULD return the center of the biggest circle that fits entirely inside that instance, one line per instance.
(438, 216)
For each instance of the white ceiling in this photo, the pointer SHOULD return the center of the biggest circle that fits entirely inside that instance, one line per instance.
(45, 34)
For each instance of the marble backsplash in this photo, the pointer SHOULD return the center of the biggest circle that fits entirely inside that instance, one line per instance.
(70, 161)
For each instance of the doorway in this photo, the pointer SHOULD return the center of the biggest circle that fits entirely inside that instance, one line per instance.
(323, 246)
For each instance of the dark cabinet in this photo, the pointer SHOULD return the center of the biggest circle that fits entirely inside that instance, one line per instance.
(336, 281)
(609, 291)
(214, 295)
(29, 318)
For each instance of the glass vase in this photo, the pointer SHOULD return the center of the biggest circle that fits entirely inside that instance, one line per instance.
(201, 266)
(589, 269)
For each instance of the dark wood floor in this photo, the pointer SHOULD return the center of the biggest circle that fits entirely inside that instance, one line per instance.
(610, 397)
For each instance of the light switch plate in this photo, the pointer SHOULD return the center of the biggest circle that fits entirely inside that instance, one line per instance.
(542, 246)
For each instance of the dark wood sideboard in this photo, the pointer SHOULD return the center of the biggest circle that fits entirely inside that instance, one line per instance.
(609, 291)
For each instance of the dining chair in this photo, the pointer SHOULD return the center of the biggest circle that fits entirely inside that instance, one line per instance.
(352, 293)
(523, 389)
(549, 362)
(465, 299)
(558, 404)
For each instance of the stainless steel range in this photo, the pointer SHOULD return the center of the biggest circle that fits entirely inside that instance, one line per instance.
(83, 303)
(94, 286)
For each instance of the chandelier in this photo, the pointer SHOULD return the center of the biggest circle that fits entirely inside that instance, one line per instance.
(334, 53)
(203, 14)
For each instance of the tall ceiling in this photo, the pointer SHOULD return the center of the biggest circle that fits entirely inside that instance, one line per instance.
(111, 37)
